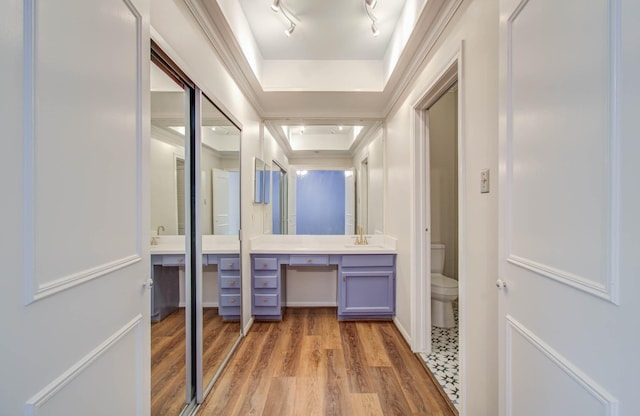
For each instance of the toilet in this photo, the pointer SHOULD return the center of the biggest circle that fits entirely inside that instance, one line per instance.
(444, 290)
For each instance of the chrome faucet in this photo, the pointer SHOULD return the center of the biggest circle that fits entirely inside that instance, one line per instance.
(160, 227)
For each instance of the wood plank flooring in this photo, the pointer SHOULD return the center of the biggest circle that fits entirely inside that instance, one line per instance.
(168, 373)
(312, 364)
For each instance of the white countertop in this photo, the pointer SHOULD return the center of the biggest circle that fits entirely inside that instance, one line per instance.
(211, 244)
(321, 244)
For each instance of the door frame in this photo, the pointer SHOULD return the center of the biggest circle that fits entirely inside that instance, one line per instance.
(449, 73)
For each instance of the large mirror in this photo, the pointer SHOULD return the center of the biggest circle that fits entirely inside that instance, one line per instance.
(220, 207)
(170, 391)
(334, 178)
(207, 301)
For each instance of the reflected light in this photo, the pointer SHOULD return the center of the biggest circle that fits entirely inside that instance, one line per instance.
(178, 129)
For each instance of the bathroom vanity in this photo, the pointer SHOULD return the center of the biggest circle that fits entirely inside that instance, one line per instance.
(366, 273)
(168, 256)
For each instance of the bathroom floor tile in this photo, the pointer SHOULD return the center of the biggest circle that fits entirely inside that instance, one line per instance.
(443, 360)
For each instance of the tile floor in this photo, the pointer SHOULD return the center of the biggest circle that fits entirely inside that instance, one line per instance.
(443, 360)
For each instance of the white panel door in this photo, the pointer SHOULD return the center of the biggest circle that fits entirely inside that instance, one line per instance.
(220, 202)
(569, 203)
(74, 243)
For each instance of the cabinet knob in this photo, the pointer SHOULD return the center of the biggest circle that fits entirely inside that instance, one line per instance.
(265, 264)
(265, 300)
(230, 264)
(264, 283)
(309, 260)
(232, 283)
(232, 300)
(180, 260)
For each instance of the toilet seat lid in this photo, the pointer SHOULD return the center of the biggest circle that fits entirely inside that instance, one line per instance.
(438, 279)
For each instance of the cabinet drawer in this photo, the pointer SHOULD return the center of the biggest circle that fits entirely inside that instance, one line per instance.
(367, 260)
(229, 300)
(314, 260)
(230, 282)
(265, 263)
(266, 282)
(173, 260)
(266, 300)
(229, 263)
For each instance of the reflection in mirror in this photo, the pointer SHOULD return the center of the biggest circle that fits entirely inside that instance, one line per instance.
(169, 390)
(279, 181)
(324, 202)
(220, 213)
(354, 146)
(258, 181)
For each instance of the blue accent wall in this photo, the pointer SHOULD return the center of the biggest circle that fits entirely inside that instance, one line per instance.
(320, 201)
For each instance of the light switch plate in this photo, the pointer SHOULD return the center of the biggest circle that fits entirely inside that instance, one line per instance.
(484, 181)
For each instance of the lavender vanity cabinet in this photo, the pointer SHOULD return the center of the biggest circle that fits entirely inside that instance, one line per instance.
(366, 283)
(229, 296)
(366, 286)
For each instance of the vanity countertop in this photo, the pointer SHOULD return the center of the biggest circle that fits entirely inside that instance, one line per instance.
(321, 244)
(211, 244)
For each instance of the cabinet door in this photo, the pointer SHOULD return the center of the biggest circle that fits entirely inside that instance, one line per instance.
(367, 293)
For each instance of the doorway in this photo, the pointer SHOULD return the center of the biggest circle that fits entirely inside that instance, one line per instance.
(428, 222)
(443, 360)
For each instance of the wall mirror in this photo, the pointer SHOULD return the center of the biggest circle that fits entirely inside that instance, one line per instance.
(334, 177)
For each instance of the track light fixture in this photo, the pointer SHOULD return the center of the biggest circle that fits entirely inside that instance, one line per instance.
(279, 6)
(369, 5)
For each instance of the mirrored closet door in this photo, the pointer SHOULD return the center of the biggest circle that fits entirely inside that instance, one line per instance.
(195, 250)
(219, 300)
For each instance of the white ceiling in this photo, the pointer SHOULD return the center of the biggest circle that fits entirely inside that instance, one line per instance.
(331, 71)
(325, 29)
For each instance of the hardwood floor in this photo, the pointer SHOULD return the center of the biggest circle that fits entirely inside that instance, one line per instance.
(168, 376)
(311, 364)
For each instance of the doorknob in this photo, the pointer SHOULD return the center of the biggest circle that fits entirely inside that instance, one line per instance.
(501, 284)
(148, 284)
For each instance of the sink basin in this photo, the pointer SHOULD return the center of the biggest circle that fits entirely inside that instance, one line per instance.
(363, 245)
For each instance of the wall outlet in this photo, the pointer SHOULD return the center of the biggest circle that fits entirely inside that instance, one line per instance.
(484, 181)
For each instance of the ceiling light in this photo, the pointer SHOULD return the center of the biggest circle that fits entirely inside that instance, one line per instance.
(289, 31)
(369, 5)
(374, 29)
(279, 6)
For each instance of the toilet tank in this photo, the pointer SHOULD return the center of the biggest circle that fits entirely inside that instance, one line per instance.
(437, 258)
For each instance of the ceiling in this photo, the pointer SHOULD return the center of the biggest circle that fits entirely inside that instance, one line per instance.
(325, 30)
(331, 71)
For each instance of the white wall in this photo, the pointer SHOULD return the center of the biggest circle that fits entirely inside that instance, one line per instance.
(163, 186)
(178, 34)
(475, 23)
(443, 178)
